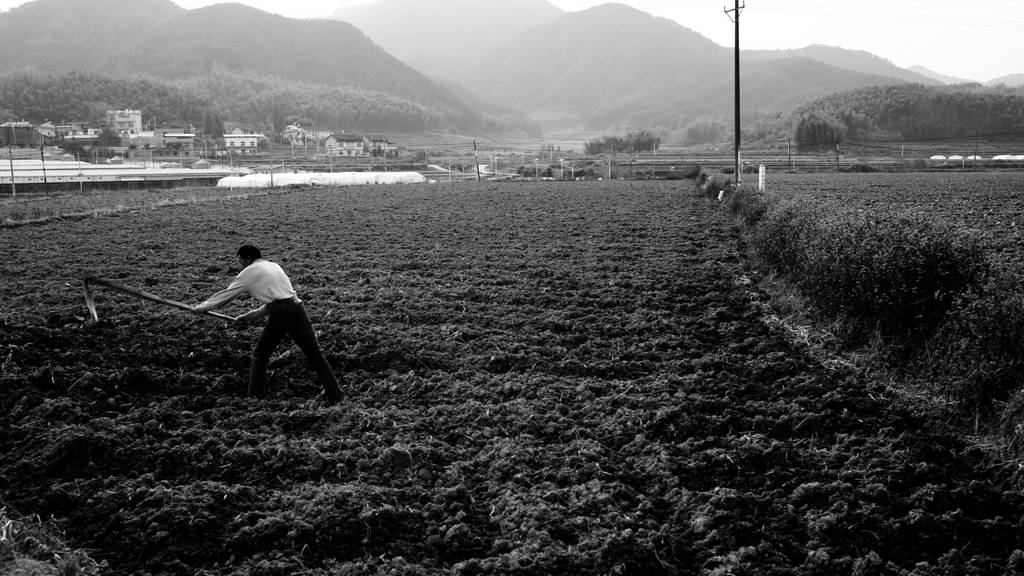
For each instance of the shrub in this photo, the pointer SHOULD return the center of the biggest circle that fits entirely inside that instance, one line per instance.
(978, 350)
(784, 230)
(861, 168)
(691, 171)
(713, 184)
(748, 204)
(897, 273)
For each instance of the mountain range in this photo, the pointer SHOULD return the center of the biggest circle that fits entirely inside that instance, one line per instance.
(613, 66)
(1011, 80)
(943, 78)
(440, 37)
(458, 65)
(279, 58)
(1008, 80)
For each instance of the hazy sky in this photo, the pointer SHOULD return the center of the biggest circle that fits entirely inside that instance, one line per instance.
(971, 39)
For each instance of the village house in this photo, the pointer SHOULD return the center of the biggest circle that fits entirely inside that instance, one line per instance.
(292, 134)
(179, 144)
(380, 146)
(341, 144)
(239, 142)
(26, 134)
(346, 145)
(125, 123)
(297, 134)
(82, 131)
(164, 144)
(19, 134)
(48, 130)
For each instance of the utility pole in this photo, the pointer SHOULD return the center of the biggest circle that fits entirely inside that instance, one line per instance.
(42, 160)
(10, 158)
(476, 161)
(736, 19)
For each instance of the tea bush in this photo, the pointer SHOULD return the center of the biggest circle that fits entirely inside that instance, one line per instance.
(748, 204)
(979, 350)
(926, 288)
(897, 273)
(782, 232)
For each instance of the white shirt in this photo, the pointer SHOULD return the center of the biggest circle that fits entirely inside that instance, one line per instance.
(264, 280)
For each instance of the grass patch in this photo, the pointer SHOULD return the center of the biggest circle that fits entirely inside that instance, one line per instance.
(29, 546)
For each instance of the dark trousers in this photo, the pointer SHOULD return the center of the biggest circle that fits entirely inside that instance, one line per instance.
(288, 318)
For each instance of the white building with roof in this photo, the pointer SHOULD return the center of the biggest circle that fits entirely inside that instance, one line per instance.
(240, 143)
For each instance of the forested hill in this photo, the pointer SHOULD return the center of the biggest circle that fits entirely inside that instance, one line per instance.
(75, 96)
(912, 112)
(74, 35)
(266, 103)
(248, 64)
(239, 38)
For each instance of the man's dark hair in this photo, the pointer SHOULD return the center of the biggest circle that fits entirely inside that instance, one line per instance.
(249, 252)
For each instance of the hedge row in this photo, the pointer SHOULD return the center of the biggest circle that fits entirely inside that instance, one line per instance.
(981, 344)
(921, 285)
(897, 273)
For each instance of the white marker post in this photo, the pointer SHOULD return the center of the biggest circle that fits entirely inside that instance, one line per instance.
(760, 178)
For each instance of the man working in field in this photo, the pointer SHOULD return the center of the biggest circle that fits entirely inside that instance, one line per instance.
(268, 284)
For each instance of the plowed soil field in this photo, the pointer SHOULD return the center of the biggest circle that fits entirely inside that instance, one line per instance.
(567, 378)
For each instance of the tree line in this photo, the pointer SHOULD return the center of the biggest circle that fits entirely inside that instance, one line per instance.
(204, 103)
(642, 141)
(911, 112)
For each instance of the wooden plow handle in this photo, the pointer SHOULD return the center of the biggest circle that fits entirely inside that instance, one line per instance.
(91, 304)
